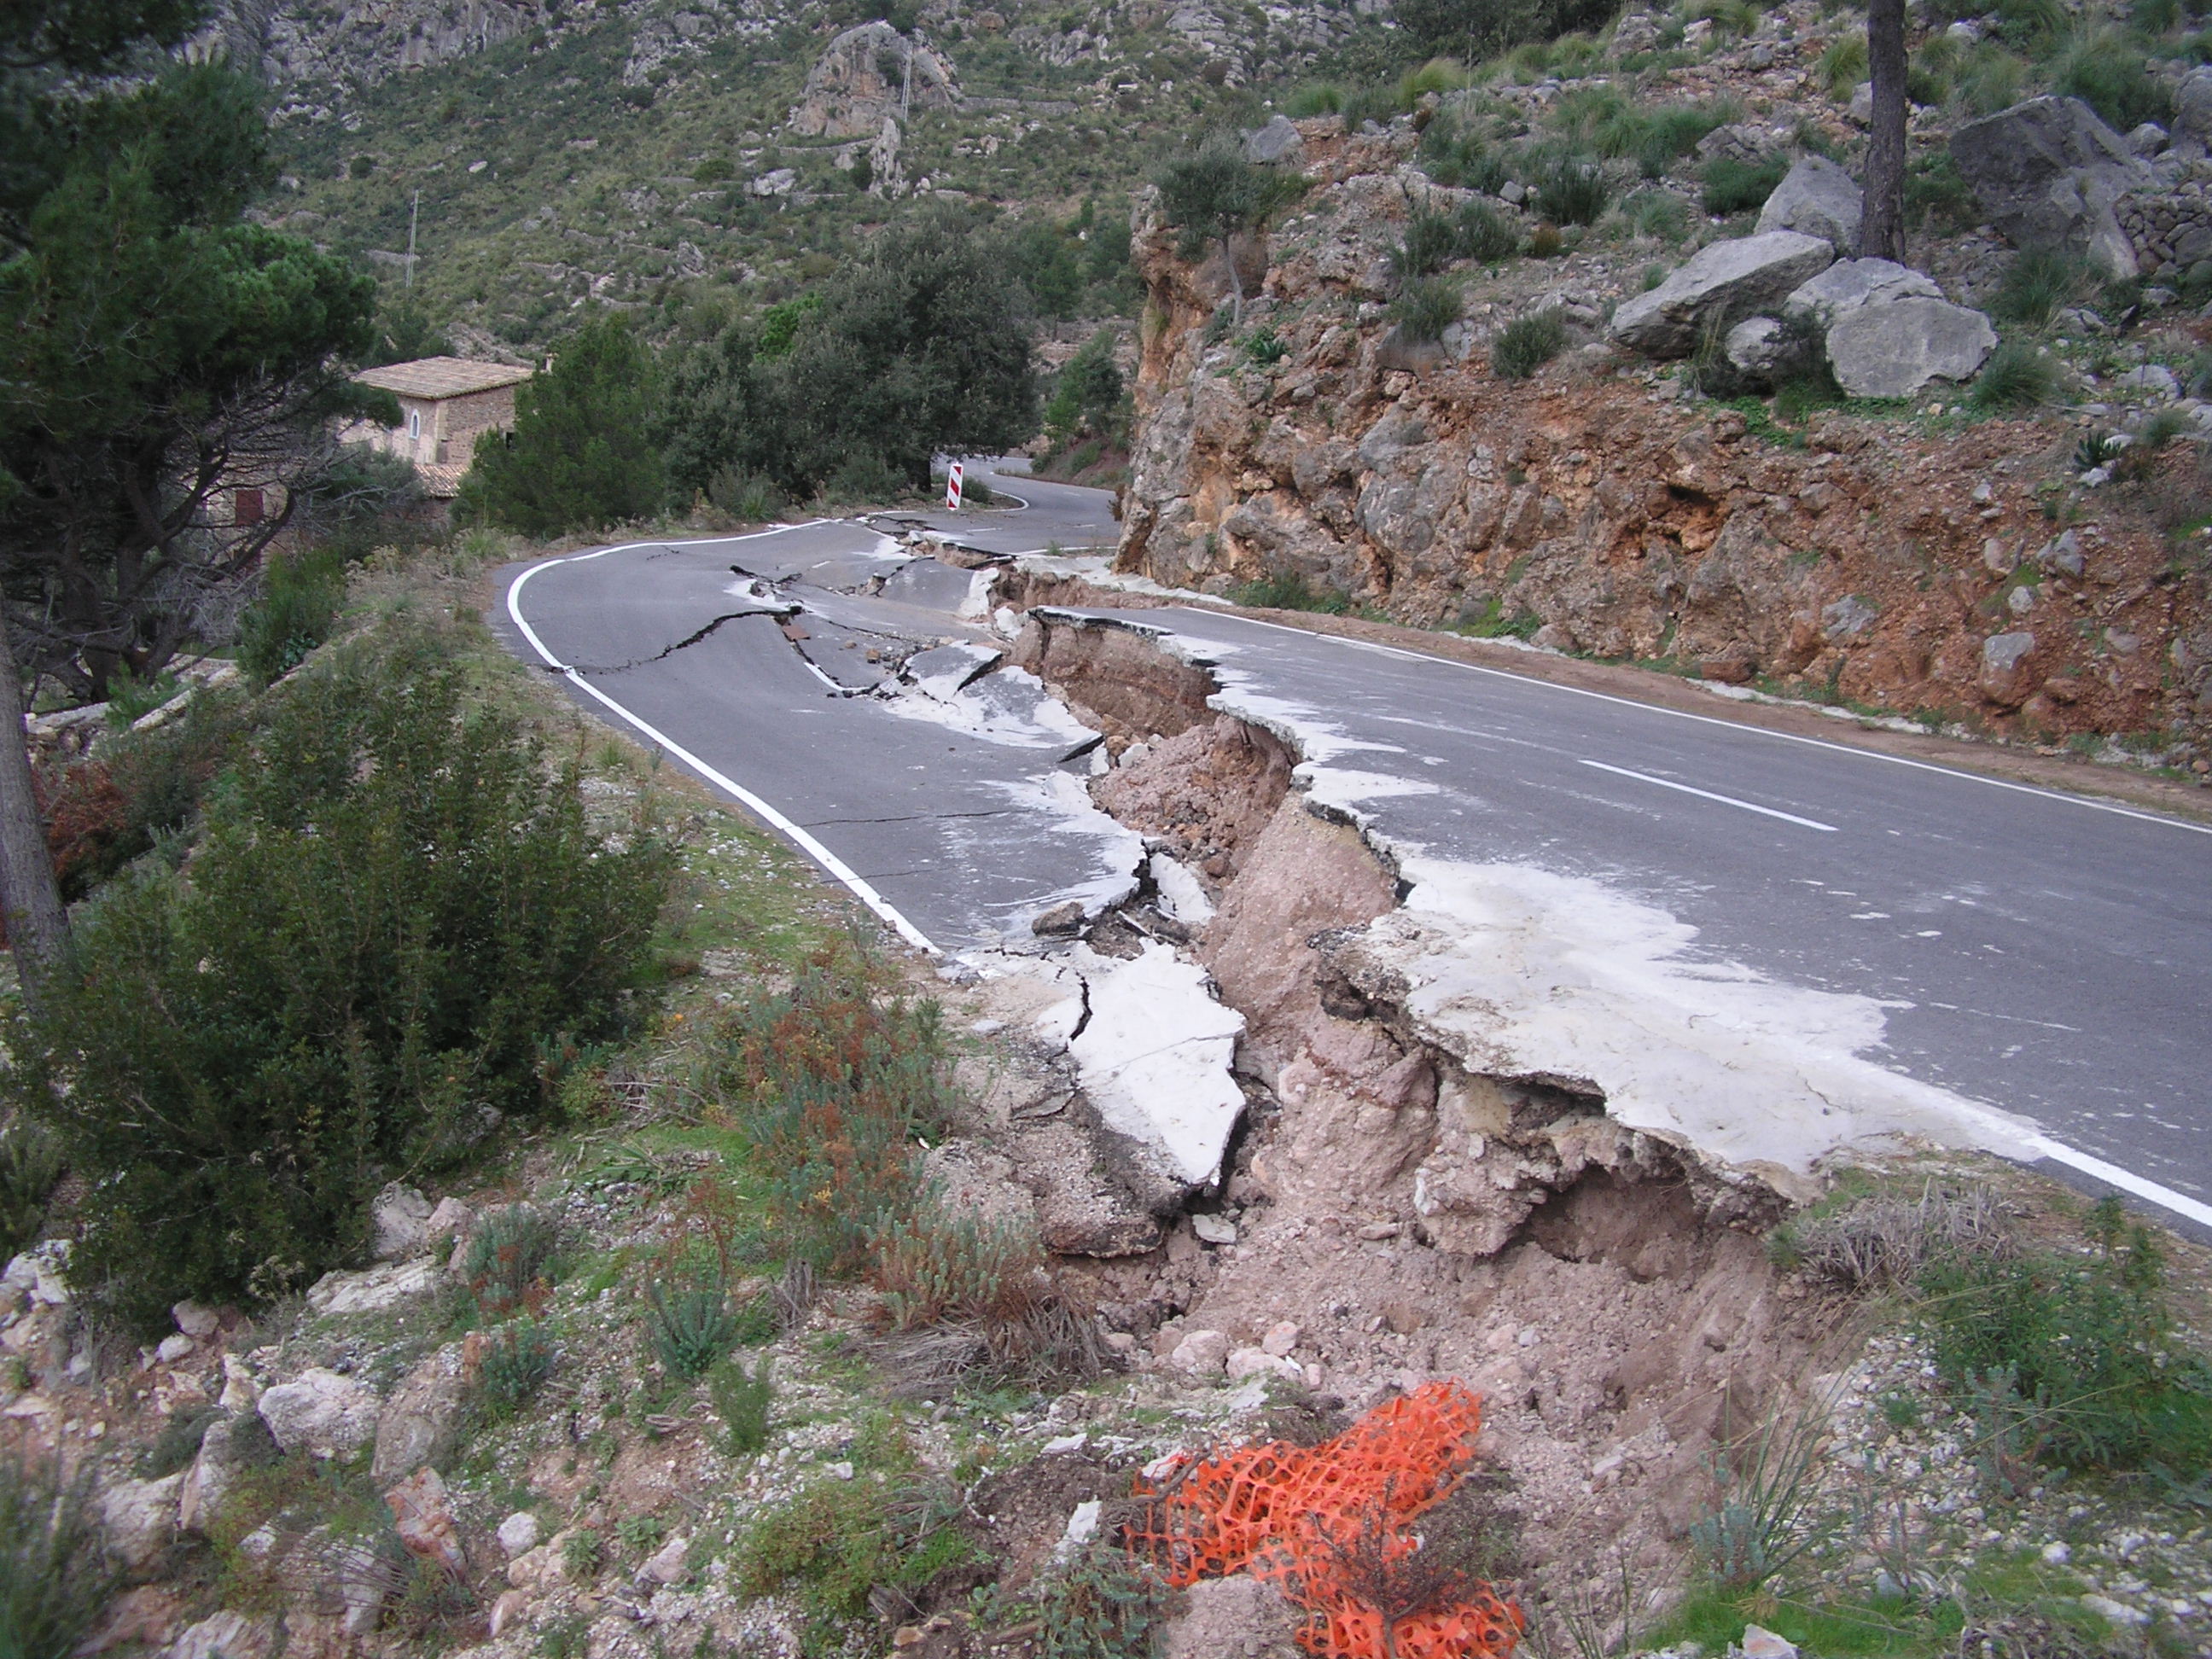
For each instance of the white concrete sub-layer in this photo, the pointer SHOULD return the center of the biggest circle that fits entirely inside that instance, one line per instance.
(1153, 1046)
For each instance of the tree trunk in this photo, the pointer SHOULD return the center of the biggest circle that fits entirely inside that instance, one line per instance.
(1881, 225)
(38, 927)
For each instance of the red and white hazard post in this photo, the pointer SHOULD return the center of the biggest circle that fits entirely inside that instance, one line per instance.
(953, 489)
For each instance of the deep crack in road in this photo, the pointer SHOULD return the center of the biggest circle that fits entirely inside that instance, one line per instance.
(2045, 954)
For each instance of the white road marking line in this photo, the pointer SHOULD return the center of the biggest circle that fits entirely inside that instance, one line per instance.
(2112, 1175)
(1707, 794)
(1732, 726)
(838, 869)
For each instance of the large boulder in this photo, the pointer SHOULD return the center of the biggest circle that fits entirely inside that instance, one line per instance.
(140, 1518)
(422, 1420)
(867, 73)
(398, 1219)
(2191, 131)
(232, 1445)
(330, 1415)
(2047, 172)
(1815, 197)
(1846, 285)
(1893, 349)
(1727, 282)
(1278, 140)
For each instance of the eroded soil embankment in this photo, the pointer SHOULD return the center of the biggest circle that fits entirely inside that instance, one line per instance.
(1604, 1289)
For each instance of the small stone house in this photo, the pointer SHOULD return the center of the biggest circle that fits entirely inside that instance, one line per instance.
(444, 403)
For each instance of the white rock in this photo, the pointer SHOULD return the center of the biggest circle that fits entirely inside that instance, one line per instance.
(224, 1635)
(1258, 1362)
(173, 1347)
(195, 1321)
(1082, 1527)
(1202, 1353)
(373, 1289)
(1816, 197)
(1760, 1643)
(330, 1415)
(2057, 1552)
(140, 1518)
(397, 1219)
(1280, 1339)
(2117, 1612)
(1893, 349)
(1067, 1443)
(517, 1534)
(1213, 1229)
(1730, 280)
(241, 1389)
(451, 1219)
(666, 1566)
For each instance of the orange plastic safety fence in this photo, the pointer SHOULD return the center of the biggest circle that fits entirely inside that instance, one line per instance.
(1280, 1511)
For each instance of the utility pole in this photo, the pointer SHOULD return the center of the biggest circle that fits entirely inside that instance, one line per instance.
(414, 213)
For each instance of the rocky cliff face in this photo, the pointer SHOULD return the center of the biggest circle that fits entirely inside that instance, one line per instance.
(1914, 562)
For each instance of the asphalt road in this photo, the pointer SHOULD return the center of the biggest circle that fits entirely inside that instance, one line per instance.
(2045, 953)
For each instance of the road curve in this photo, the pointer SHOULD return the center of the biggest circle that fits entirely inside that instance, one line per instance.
(2047, 954)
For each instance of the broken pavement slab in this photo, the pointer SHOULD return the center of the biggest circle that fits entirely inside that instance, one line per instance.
(1152, 1046)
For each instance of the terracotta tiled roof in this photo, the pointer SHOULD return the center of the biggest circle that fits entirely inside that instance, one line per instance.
(440, 481)
(441, 377)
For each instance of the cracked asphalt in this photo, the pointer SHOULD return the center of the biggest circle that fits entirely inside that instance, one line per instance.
(2044, 953)
(694, 647)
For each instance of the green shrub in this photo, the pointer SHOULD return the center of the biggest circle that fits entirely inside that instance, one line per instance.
(1308, 101)
(1425, 308)
(692, 1328)
(1482, 233)
(298, 609)
(743, 1400)
(508, 1264)
(1936, 198)
(1732, 20)
(30, 1165)
(2016, 376)
(54, 1577)
(177, 1445)
(1673, 131)
(130, 699)
(1658, 214)
(934, 1265)
(394, 908)
(1992, 79)
(1570, 189)
(1477, 29)
(1099, 1603)
(838, 1540)
(581, 454)
(2108, 72)
(2032, 24)
(1843, 64)
(2037, 287)
(2088, 1343)
(1454, 155)
(1286, 590)
(143, 793)
(1733, 186)
(1430, 242)
(833, 1082)
(1527, 344)
(518, 1359)
(751, 497)
(1265, 347)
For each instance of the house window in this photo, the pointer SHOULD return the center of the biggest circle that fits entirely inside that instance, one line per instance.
(413, 422)
(246, 506)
